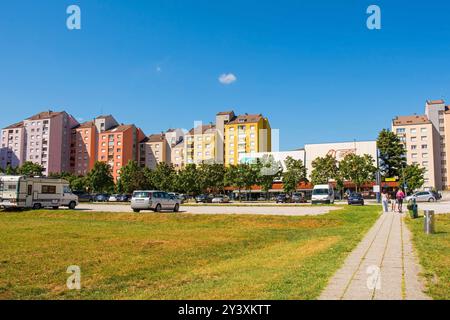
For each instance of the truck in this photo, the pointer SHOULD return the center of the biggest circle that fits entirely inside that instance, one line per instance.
(23, 192)
(322, 193)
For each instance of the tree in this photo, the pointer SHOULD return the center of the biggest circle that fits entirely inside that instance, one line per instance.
(357, 169)
(164, 177)
(413, 176)
(79, 184)
(11, 170)
(132, 178)
(30, 169)
(324, 169)
(391, 154)
(268, 170)
(100, 178)
(211, 177)
(294, 174)
(187, 180)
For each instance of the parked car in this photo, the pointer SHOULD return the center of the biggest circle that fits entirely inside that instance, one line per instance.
(178, 196)
(103, 197)
(281, 198)
(355, 198)
(220, 199)
(422, 196)
(113, 198)
(154, 200)
(203, 198)
(84, 196)
(298, 197)
(322, 193)
(123, 197)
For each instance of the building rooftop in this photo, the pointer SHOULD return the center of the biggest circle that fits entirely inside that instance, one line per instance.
(155, 138)
(15, 125)
(410, 120)
(45, 115)
(121, 128)
(225, 113)
(440, 101)
(204, 128)
(246, 118)
(104, 116)
(86, 124)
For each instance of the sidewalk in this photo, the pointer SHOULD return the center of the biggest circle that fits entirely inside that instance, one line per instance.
(382, 267)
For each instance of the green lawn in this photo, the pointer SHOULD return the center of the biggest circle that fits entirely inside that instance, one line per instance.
(434, 255)
(175, 256)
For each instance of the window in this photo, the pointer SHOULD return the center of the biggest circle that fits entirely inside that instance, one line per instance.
(413, 139)
(413, 155)
(424, 155)
(424, 146)
(413, 131)
(423, 130)
(423, 138)
(400, 130)
(48, 189)
(425, 163)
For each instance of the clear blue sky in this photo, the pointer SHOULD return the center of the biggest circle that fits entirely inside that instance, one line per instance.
(312, 67)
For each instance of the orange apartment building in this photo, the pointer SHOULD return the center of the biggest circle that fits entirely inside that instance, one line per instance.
(84, 148)
(118, 146)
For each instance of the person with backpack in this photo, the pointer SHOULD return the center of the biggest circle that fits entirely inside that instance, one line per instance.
(400, 196)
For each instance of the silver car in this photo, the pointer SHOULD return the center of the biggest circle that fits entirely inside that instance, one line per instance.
(422, 196)
(154, 200)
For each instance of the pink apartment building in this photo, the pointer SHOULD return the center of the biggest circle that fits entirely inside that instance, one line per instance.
(12, 149)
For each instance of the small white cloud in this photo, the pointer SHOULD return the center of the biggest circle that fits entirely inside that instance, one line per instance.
(158, 69)
(227, 78)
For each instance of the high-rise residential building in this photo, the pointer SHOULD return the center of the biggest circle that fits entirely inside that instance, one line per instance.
(12, 151)
(246, 134)
(84, 146)
(118, 146)
(419, 137)
(200, 144)
(177, 155)
(154, 150)
(221, 119)
(48, 139)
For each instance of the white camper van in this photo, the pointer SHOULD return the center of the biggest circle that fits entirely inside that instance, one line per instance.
(322, 193)
(36, 193)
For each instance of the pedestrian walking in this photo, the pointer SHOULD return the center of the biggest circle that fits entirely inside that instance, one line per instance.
(400, 196)
(385, 200)
(393, 198)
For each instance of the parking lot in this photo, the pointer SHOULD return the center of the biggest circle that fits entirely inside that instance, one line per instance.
(283, 210)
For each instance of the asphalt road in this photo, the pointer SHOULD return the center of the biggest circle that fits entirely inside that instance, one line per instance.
(226, 209)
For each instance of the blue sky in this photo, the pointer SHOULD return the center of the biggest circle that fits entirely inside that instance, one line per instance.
(312, 67)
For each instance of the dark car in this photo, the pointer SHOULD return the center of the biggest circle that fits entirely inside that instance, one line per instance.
(356, 198)
(203, 198)
(123, 198)
(83, 196)
(103, 197)
(298, 197)
(281, 198)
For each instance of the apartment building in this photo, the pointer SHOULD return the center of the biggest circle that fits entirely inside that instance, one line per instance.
(248, 133)
(177, 155)
(419, 137)
(200, 144)
(48, 139)
(84, 146)
(118, 146)
(12, 151)
(154, 150)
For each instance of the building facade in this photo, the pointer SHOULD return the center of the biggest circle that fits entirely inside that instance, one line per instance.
(177, 156)
(12, 151)
(246, 134)
(118, 146)
(419, 138)
(279, 156)
(154, 150)
(338, 150)
(200, 144)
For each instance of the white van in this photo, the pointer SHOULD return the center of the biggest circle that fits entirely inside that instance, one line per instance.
(322, 193)
(31, 192)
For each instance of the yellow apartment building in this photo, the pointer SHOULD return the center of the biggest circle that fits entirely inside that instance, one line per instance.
(248, 133)
(200, 145)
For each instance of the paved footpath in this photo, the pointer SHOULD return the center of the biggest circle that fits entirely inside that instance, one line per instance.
(382, 267)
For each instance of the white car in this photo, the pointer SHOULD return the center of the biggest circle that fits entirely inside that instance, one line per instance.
(220, 199)
(422, 196)
(113, 198)
(154, 200)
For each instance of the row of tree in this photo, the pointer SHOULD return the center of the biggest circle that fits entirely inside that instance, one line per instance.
(210, 177)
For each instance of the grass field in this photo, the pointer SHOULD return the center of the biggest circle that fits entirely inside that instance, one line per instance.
(175, 256)
(434, 255)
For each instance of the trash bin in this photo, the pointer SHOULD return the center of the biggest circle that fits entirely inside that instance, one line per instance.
(428, 223)
(413, 209)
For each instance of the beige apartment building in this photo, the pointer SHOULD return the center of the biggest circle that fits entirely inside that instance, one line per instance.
(200, 144)
(154, 150)
(418, 135)
(177, 155)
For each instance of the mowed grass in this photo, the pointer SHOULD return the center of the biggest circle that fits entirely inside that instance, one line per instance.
(175, 256)
(434, 254)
